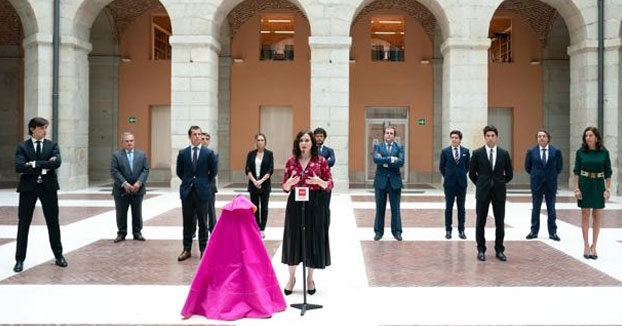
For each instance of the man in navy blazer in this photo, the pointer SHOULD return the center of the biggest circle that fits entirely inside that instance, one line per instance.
(196, 167)
(328, 153)
(37, 160)
(454, 166)
(389, 158)
(129, 168)
(543, 162)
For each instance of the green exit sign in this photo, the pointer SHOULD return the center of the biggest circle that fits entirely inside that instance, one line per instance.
(421, 122)
(132, 119)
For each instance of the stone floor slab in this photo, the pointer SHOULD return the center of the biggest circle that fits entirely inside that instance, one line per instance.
(153, 262)
(96, 196)
(173, 217)
(527, 199)
(610, 218)
(423, 218)
(5, 241)
(404, 199)
(66, 215)
(418, 263)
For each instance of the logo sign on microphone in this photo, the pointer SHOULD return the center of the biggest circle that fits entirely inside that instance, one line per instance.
(302, 194)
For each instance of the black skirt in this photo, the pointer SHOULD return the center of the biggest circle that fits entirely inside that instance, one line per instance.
(317, 221)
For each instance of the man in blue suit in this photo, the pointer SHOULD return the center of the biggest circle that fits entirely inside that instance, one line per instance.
(543, 162)
(196, 167)
(389, 158)
(454, 166)
(320, 136)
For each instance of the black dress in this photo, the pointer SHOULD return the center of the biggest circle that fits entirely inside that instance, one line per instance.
(317, 222)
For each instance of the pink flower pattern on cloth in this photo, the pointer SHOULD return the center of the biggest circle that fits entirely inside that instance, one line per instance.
(317, 166)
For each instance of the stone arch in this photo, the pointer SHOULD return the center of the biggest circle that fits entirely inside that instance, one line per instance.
(26, 15)
(11, 89)
(438, 15)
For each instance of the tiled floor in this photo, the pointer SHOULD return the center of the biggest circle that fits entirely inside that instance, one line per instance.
(369, 283)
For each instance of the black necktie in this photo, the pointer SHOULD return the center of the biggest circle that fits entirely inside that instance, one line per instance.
(194, 158)
(544, 156)
(490, 159)
(38, 150)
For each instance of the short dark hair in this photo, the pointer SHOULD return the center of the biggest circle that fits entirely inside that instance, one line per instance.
(491, 128)
(599, 141)
(262, 135)
(296, 149)
(37, 122)
(544, 131)
(457, 132)
(206, 135)
(193, 128)
(390, 127)
(319, 131)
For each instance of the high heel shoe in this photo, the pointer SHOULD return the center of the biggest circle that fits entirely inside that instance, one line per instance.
(288, 292)
(589, 253)
(593, 256)
(310, 291)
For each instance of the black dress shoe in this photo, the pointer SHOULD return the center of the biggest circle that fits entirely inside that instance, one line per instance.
(185, 254)
(481, 256)
(461, 235)
(448, 235)
(554, 237)
(398, 237)
(531, 235)
(290, 291)
(19, 266)
(139, 237)
(377, 237)
(118, 239)
(60, 261)
(501, 256)
(312, 291)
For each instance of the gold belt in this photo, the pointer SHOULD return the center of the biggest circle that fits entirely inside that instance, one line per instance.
(592, 175)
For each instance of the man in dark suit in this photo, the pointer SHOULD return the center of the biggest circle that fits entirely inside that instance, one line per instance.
(543, 162)
(328, 153)
(37, 160)
(211, 202)
(490, 170)
(196, 167)
(389, 158)
(129, 168)
(454, 166)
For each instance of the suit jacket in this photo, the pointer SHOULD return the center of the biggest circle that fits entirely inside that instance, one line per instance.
(454, 173)
(328, 153)
(25, 152)
(540, 174)
(120, 171)
(214, 187)
(202, 177)
(487, 181)
(267, 166)
(385, 170)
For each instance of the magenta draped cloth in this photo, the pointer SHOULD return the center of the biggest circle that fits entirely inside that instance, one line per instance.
(235, 278)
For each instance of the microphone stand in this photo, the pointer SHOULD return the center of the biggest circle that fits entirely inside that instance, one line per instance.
(304, 306)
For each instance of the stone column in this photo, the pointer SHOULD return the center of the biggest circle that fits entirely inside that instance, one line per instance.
(613, 118)
(194, 94)
(73, 113)
(37, 78)
(465, 88)
(330, 91)
(583, 94)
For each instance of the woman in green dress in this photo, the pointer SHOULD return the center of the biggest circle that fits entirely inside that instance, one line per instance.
(592, 170)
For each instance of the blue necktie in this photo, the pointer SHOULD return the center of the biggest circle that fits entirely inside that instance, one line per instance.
(130, 158)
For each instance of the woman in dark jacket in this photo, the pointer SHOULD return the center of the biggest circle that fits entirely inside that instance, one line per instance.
(259, 169)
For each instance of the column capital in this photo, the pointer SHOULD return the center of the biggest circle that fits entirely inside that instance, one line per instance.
(330, 42)
(37, 38)
(464, 43)
(76, 43)
(584, 46)
(195, 41)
